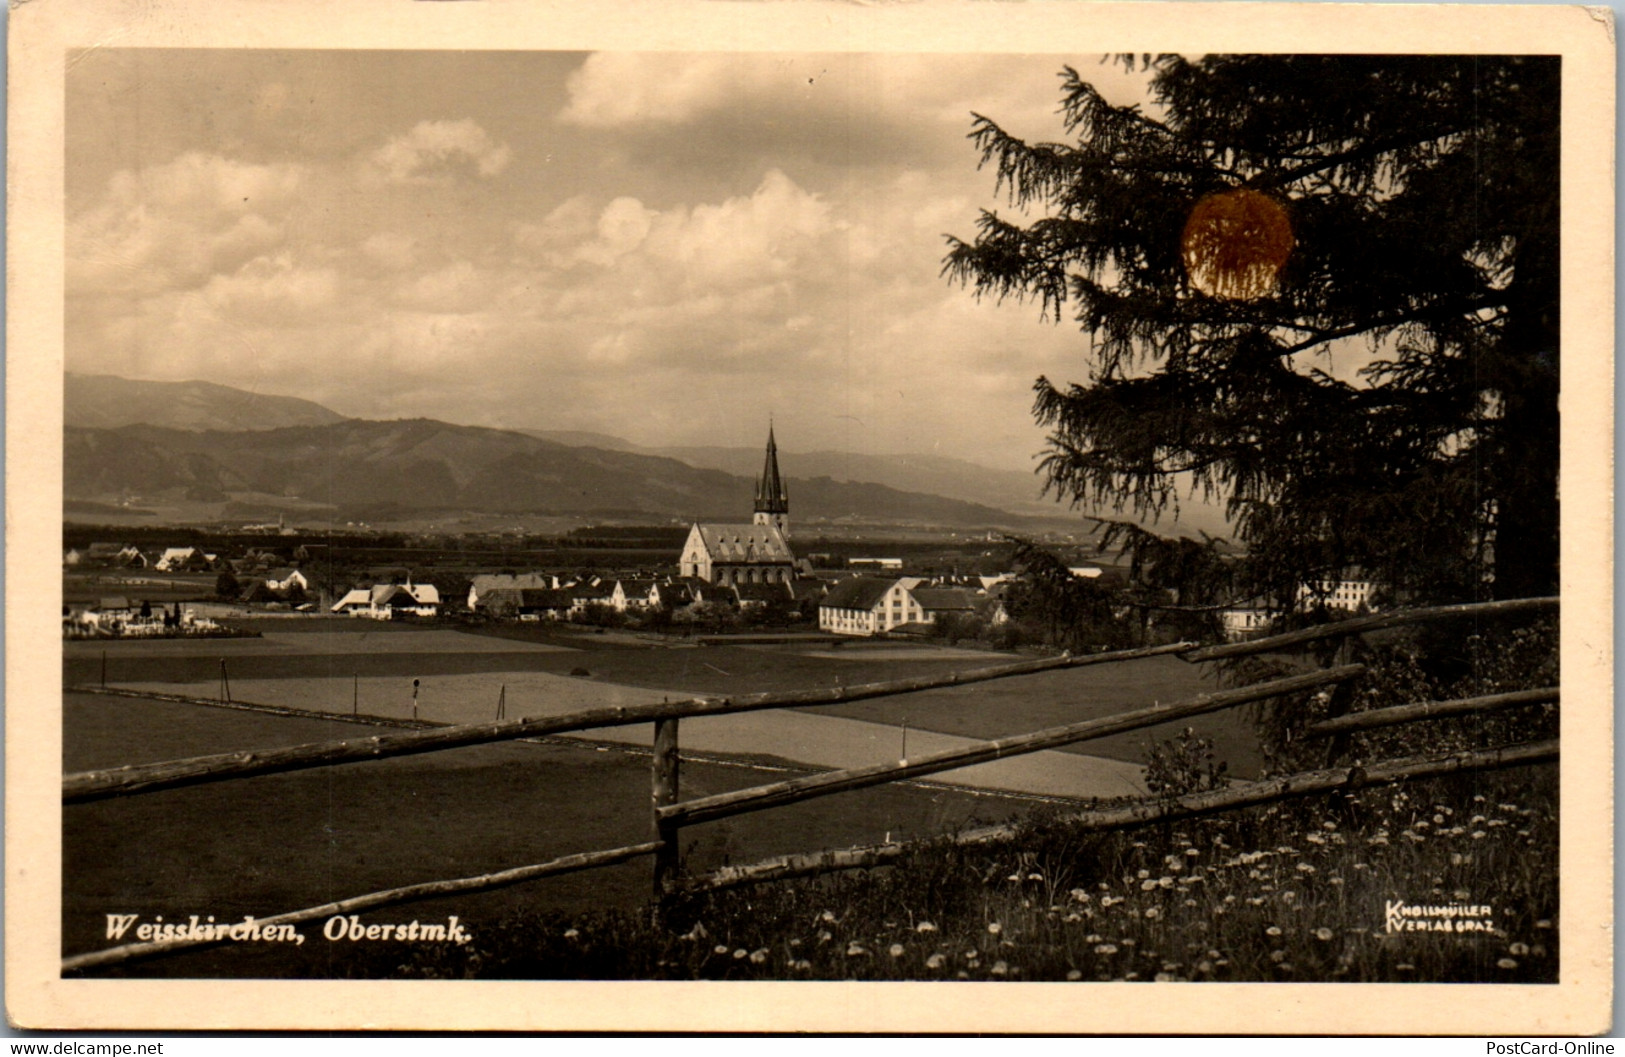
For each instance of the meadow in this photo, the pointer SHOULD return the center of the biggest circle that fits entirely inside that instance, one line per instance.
(1295, 891)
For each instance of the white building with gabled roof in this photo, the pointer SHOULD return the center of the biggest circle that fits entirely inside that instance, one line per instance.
(388, 601)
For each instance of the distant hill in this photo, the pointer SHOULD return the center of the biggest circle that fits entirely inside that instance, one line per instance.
(105, 401)
(933, 474)
(1009, 490)
(422, 465)
(203, 442)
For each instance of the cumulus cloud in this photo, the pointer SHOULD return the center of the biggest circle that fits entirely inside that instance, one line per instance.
(272, 289)
(437, 152)
(618, 88)
(179, 223)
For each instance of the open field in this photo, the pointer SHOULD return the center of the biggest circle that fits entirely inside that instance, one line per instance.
(985, 710)
(805, 736)
(272, 844)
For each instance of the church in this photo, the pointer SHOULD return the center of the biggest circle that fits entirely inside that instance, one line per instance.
(758, 553)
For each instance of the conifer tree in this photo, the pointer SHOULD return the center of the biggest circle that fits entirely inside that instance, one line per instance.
(1263, 218)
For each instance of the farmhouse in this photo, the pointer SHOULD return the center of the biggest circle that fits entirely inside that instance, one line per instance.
(594, 592)
(484, 584)
(180, 559)
(632, 594)
(758, 553)
(285, 580)
(868, 605)
(390, 601)
(527, 603)
(674, 594)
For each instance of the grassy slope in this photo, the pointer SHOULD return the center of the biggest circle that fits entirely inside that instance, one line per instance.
(1285, 893)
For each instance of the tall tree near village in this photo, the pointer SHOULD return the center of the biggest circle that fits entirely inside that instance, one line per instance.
(1264, 220)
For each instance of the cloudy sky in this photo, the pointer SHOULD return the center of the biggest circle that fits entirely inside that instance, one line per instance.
(666, 247)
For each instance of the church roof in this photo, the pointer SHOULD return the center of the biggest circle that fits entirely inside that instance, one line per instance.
(744, 543)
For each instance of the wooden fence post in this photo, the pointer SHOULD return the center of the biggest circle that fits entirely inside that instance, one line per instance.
(663, 778)
(1342, 698)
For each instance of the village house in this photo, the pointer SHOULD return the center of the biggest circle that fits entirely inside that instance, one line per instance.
(390, 601)
(868, 605)
(175, 559)
(594, 592)
(283, 581)
(527, 603)
(485, 583)
(632, 594)
(673, 594)
(123, 556)
(939, 602)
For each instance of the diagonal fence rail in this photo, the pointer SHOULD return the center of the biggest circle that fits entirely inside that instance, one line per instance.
(669, 815)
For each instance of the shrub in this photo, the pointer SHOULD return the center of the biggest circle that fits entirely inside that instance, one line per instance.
(1184, 764)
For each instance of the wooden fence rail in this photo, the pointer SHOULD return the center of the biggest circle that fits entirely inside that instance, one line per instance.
(1387, 717)
(145, 778)
(762, 798)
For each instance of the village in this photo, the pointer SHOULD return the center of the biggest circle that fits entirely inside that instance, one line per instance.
(743, 576)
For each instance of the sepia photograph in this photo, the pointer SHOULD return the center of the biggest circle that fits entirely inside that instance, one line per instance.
(967, 510)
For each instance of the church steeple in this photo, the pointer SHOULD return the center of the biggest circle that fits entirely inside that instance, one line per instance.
(772, 500)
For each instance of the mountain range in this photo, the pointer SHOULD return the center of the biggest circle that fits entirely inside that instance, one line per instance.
(210, 443)
(106, 401)
(378, 470)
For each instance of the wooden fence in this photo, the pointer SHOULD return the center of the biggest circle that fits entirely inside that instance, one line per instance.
(669, 814)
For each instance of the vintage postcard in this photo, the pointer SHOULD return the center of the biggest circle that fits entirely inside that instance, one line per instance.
(810, 517)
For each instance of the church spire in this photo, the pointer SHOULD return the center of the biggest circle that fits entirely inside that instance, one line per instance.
(772, 500)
